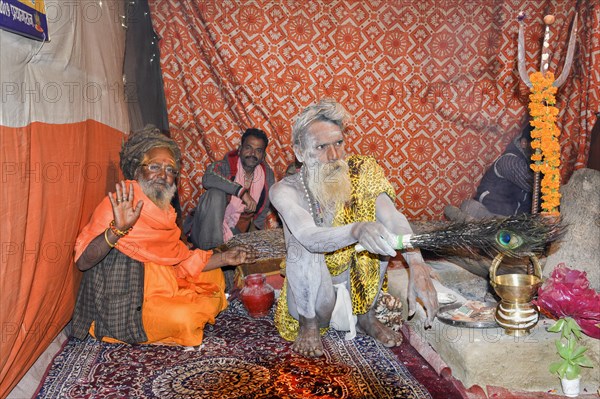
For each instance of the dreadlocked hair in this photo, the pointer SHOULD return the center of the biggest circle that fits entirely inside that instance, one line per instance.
(139, 143)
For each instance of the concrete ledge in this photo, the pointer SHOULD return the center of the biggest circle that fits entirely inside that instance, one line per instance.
(489, 358)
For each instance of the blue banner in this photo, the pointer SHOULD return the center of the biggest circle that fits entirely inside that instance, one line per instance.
(24, 17)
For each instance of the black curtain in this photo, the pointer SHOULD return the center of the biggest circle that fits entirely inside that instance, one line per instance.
(144, 89)
(594, 155)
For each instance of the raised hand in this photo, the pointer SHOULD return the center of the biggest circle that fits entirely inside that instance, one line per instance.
(125, 215)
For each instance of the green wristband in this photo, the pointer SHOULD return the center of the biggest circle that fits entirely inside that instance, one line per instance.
(399, 244)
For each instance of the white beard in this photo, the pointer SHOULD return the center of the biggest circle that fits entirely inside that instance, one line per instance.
(161, 196)
(330, 184)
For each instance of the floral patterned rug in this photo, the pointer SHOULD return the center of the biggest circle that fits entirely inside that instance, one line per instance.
(241, 357)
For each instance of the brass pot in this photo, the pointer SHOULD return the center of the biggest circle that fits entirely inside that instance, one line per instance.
(515, 312)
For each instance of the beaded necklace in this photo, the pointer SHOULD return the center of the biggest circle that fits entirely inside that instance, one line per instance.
(316, 212)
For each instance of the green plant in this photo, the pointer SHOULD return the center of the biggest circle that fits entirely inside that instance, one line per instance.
(572, 355)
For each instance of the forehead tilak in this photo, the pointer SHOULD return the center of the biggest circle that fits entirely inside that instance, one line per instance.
(168, 159)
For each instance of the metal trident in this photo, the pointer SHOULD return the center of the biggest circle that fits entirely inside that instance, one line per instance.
(548, 20)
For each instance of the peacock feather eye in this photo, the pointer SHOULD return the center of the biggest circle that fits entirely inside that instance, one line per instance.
(508, 240)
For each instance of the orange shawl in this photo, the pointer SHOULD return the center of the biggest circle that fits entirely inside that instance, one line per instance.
(155, 237)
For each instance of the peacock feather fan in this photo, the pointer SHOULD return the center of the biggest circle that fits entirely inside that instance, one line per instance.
(514, 236)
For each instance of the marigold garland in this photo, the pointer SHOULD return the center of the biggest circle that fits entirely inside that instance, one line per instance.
(546, 156)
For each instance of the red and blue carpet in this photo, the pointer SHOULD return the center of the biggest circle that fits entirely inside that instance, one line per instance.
(241, 357)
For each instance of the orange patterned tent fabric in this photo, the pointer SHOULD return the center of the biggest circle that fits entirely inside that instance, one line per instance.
(432, 85)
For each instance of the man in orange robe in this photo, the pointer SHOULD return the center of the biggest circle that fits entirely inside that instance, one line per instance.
(141, 283)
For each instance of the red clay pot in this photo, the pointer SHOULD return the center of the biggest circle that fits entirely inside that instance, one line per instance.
(257, 296)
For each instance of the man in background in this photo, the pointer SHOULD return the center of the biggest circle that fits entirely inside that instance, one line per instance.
(506, 187)
(237, 194)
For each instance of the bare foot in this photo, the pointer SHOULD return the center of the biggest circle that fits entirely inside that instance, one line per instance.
(308, 342)
(368, 324)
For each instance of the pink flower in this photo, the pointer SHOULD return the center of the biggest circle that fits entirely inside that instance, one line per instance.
(567, 293)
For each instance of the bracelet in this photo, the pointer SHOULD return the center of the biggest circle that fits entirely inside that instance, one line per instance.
(117, 232)
(242, 192)
(106, 239)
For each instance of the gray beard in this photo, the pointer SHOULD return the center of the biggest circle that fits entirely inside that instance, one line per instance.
(330, 184)
(161, 196)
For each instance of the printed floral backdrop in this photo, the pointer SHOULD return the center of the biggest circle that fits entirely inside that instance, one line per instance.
(432, 85)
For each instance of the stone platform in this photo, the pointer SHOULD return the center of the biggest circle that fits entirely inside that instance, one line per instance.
(488, 361)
